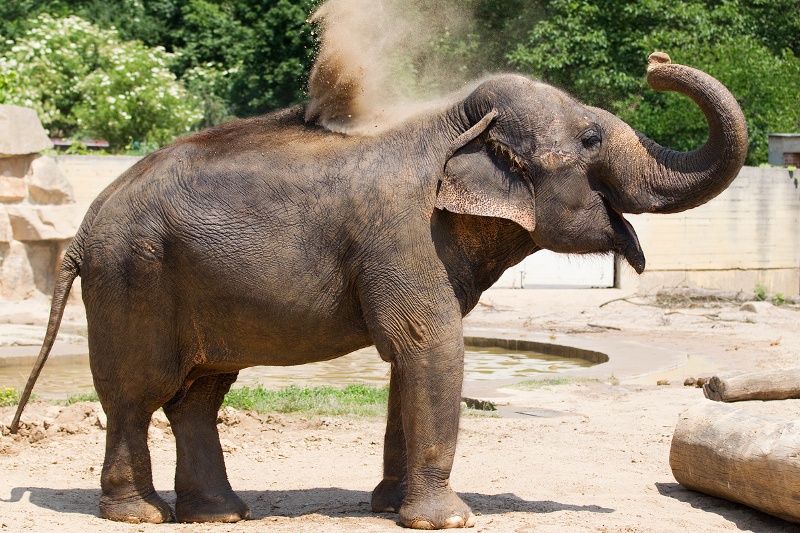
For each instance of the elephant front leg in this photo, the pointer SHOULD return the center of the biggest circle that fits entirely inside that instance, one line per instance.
(431, 390)
(388, 496)
(414, 320)
(201, 483)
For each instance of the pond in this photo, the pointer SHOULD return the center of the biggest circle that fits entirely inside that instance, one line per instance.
(66, 376)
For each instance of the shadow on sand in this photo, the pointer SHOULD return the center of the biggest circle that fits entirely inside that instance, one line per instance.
(745, 518)
(332, 502)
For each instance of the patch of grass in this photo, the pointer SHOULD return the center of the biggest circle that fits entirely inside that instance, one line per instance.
(8, 397)
(85, 397)
(535, 384)
(761, 292)
(479, 413)
(352, 400)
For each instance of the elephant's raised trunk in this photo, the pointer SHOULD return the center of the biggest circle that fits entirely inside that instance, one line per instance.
(651, 178)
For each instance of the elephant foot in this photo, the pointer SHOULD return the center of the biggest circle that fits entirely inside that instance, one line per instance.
(151, 509)
(224, 506)
(444, 511)
(388, 496)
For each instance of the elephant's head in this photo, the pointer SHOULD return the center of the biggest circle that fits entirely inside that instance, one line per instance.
(566, 172)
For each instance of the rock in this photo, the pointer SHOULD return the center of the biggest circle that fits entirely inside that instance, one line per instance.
(228, 416)
(37, 434)
(481, 405)
(6, 233)
(16, 272)
(154, 433)
(44, 259)
(42, 223)
(698, 382)
(47, 184)
(685, 295)
(756, 307)
(228, 446)
(102, 420)
(29, 267)
(13, 186)
(71, 428)
(72, 414)
(22, 131)
(17, 167)
(662, 382)
(159, 420)
(12, 189)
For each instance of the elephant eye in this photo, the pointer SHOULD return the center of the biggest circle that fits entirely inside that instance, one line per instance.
(591, 138)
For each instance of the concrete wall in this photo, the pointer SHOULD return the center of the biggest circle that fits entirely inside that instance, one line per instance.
(90, 174)
(747, 236)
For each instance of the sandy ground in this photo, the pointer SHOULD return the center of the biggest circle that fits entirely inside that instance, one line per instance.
(594, 458)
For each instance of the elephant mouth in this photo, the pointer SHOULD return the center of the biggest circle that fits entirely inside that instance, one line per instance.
(626, 242)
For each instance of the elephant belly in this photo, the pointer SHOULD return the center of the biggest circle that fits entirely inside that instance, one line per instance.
(266, 328)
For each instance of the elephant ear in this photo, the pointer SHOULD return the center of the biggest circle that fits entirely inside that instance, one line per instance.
(481, 178)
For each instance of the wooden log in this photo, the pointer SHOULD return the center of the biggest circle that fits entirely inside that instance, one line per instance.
(723, 451)
(769, 385)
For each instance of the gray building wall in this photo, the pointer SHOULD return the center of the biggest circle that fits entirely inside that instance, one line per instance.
(781, 144)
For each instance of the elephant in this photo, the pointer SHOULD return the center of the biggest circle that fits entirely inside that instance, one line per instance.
(275, 241)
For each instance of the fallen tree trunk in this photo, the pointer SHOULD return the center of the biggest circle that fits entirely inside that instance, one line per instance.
(723, 451)
(770, 385)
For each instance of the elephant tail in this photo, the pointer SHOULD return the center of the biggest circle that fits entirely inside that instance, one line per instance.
(70, 269)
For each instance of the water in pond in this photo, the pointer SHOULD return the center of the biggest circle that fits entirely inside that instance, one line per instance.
(63, 378)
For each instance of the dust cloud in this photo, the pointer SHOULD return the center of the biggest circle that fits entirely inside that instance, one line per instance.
(382, 61)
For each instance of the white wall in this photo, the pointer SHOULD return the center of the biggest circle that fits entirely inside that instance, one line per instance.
(748, 235)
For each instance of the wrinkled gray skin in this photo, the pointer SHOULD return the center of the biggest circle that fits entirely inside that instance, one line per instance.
(271, 241)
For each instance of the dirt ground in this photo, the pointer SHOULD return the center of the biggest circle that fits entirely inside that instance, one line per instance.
(594, 458)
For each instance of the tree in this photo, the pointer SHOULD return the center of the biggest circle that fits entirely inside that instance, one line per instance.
(84, 81)
(274, 72)
(761, 82)
(597, 50)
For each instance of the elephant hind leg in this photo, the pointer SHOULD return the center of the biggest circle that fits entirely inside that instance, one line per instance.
(388, 496)
(201, 483)
(128, 494)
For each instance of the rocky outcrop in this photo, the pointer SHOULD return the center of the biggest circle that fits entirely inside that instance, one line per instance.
(37, 207)
(21, 132)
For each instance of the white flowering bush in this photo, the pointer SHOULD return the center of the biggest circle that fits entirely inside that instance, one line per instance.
(85, 82)
(6, 80)
(210, 83)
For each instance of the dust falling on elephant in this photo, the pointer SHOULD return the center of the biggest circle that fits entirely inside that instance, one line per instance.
(275, 241)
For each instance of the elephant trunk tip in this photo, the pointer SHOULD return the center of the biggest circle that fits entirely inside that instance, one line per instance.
(656, 59)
